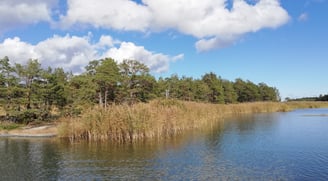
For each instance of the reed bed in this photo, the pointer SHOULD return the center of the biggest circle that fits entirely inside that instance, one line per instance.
(159, 119)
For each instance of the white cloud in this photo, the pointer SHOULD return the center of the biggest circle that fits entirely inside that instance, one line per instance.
(303, 17)
(21, 12)
(207, 20)
(14, 47)
(73, 53)
(178, 57)
(117, 14)
(214, 24)
(157, 62)
(68, 52)
(216, 42)
(106, 42)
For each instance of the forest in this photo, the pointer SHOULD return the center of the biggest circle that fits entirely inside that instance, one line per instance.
(30, 92)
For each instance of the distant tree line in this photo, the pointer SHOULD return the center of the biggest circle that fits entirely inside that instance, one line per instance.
(29, 92)
(322, 98)
(319, 98)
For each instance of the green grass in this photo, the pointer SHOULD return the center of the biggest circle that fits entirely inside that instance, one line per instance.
(9, 126)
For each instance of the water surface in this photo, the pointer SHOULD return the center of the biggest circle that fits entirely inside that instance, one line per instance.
(275, 146)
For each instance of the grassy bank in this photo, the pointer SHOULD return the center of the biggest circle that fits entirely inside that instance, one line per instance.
(6, 126)
(160, 119)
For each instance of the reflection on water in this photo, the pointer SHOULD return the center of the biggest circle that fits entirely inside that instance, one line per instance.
(28, 160)
(278, 146)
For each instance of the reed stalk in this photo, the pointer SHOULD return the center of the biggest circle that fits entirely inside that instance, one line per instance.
(160, 119)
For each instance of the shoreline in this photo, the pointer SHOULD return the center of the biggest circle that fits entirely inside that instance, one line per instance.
(43, 131)
(28, 135)
(157, 119)
(161, 119)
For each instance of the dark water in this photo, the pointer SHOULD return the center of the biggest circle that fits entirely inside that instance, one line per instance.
(278, 146)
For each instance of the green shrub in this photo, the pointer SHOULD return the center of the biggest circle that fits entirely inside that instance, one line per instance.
(28, 116)
(8, 126)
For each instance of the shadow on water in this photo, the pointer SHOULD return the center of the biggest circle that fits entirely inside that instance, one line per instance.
(53, 159)
(100, 160)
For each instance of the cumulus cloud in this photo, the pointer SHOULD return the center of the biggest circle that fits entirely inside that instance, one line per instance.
(15, 48)
(157, 62)
(69, 52)
(211, 21)
(117, 14)
(73, 53)
(21, 12)
(106, 41)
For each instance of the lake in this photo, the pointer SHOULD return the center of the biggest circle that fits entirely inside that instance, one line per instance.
(274, 146)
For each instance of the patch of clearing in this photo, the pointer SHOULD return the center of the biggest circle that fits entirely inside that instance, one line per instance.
(40, 131)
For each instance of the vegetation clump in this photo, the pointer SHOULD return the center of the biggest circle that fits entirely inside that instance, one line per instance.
(7, 126)
(160, 119)
(31, 93)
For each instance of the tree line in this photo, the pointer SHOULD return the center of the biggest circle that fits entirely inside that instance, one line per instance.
(319, 98)
(29, 92)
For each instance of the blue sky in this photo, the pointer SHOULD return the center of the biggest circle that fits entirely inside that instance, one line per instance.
(282, 43)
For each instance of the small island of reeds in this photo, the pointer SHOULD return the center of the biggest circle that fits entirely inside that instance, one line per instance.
(161, 119)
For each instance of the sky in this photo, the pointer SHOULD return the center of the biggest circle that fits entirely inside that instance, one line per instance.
(281, 43)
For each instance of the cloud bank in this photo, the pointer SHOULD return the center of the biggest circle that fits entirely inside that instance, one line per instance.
(210, 21)
(73, 53)
(214, 23)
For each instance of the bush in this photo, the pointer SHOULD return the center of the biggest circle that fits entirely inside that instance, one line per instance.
(8, 126)
(28, 116)
(71, 111)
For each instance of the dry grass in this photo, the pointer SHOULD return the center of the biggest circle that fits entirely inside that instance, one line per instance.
(159, 119)
(2, 111)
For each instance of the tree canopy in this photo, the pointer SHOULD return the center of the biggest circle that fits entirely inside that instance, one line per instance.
(31, 92)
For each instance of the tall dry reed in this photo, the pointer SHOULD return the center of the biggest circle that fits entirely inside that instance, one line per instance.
(159, 119)
(2, 111)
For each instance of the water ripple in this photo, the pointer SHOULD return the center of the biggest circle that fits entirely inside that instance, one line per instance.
(279, 146)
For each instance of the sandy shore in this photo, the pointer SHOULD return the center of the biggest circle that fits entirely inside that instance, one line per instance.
(35, 131)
